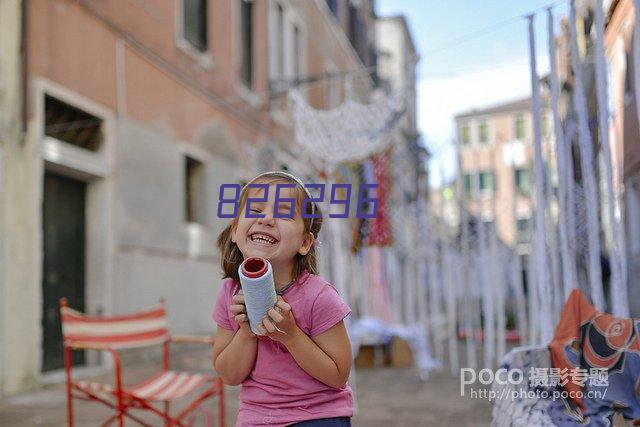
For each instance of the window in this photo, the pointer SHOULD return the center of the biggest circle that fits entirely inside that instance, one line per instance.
(193, 190)
(194, 14)
(484, 132)
(546, 126)
(287, 51)
(519, 127)
(72, 125)
(334, 6)
(465, 134)
(279, 41)
(468, 185)
(523, 182)
(523, 230)
(246, 34)
(487, 183)
(297, 53)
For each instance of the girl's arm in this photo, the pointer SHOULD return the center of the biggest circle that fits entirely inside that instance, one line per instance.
(326, 357)
(235, 353)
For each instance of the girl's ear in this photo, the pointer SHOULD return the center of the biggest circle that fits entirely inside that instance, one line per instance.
(306, 243)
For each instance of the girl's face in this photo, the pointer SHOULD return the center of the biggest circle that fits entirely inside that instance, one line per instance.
(276, 239)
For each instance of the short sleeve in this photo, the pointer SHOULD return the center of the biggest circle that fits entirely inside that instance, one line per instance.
(327, 310)
(221, 314)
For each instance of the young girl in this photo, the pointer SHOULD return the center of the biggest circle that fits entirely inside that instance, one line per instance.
(297, 377)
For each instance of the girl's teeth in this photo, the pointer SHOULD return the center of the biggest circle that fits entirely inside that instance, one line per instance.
(263, 240)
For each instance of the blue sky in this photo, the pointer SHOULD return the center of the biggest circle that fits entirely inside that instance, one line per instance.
(474, 53)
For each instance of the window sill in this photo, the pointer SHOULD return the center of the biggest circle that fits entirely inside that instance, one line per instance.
(278, 115)
(196, 226)
(248, 95)
(203, 58)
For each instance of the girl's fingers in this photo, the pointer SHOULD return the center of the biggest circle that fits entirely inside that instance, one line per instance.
(237, 309)
(261, 329)
(238, 299)
(268, 325)
(284, 306)
(275, 316)
(241, 318)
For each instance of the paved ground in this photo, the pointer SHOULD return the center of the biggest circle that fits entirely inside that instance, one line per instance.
(385, 397)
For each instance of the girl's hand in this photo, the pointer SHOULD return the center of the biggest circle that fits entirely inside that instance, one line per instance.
(239, 310)
(280, 317)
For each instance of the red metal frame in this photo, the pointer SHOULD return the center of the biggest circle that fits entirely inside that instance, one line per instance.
(126, 401)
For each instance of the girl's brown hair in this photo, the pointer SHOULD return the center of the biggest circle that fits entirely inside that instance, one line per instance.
(231, 257)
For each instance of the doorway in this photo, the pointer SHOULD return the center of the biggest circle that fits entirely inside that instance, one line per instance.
(63, 272)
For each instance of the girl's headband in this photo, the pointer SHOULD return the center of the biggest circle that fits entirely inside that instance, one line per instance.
(284, 175)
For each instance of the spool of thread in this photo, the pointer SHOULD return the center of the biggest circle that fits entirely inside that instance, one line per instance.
(256, 277)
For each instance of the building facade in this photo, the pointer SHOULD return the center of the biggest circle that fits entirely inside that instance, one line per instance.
(397, 60)
(624, 132)
(135, 113)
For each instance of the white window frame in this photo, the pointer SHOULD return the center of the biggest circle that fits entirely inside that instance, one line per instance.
(245, 92)
(514, 127)
(203, 58)
(202, 157)
(466, 123)
(487, 193)
(291, 19)
(484, 120)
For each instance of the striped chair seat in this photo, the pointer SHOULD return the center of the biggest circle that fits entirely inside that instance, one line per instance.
(164, 386)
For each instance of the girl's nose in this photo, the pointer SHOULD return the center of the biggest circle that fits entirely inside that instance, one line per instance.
(268, 217)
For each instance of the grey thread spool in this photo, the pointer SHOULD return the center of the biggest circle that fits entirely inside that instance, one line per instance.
(256, 277)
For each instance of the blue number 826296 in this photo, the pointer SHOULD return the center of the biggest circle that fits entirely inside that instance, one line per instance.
(289, 203)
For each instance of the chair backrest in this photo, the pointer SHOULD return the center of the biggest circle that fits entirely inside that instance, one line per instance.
(141, 329)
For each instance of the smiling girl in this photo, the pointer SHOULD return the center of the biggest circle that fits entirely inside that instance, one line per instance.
(297, 377)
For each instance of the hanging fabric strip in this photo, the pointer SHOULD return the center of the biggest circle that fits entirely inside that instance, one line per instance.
(540, 253)
(618, 290)
(465, 263)
(587, 167)
(380, 234)
(486, 284)
(636, 55)
(567, 257)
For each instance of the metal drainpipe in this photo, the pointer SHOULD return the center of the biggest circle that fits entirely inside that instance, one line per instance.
(25, 45)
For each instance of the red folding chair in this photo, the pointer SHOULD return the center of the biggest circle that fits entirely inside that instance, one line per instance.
(142, 329)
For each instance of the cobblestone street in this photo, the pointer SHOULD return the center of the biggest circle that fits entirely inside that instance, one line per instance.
(385, 397)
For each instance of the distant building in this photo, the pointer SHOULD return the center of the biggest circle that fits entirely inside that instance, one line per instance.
(397, 60)
(496, 154)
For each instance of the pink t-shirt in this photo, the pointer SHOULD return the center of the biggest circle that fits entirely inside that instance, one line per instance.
(278, 391)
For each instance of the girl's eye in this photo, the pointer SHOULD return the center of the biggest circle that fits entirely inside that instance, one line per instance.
(254, 210)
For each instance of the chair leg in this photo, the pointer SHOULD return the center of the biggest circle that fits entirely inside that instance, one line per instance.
(167, 421)
(69, 409)
(67, 368)
(221, 402)
(121, 411)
